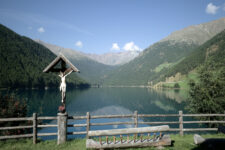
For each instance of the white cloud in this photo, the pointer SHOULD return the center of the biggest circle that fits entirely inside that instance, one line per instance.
(115, 46)
(41, 30)
(79, 44)
(211, 9)
(130, 46)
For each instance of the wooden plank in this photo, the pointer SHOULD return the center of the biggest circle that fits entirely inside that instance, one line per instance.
(190, 122)
(158, 115)
(170, 122)
(59, 58)
(16, 119)
(110, 123)
(77, 117)
(201, 129)
(76, 133)
(46, 134)
(47, 125)
(52, 64)
(16, 136)
(96, 145)
(203, 115)
(77, 125)
(128, 131)
(174, 129)
(69, 63)
(111, 116)
(47, 118)
(16, 127)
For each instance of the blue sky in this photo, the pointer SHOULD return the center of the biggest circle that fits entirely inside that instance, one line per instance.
(101, 26)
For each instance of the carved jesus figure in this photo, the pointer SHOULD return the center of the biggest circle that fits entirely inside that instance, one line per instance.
(62, 87)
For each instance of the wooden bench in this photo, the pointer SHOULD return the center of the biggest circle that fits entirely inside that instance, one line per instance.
(112, 142)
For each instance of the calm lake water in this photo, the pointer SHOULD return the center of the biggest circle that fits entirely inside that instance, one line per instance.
(105, 101)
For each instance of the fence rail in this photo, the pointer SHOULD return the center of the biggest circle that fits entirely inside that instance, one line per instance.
(34, 123)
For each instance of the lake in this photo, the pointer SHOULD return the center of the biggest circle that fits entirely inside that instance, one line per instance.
(104, 101)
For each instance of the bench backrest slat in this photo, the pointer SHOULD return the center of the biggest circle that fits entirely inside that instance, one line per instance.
(128, 131)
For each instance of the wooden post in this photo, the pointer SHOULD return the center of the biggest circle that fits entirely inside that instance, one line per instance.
(121, 139)
(100, 140)
(128, 138)
(34, 128)
(62, 127)
(135, 119)
(107, 140)
(88, 124)
(135, 122)
(181, 122)
(154, 136)
(224, 113)
(114, 139)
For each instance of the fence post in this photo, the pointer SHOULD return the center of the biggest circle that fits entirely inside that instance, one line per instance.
(62, 127)
(224, 113)
(135, 119)
(34, 128)
(181, 122)
(88, 124)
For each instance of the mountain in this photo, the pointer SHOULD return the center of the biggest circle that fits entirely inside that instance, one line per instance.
(155, 60)
(111, 58)
(197, 34)
(211, 53)
(90, 70)
(22, 63)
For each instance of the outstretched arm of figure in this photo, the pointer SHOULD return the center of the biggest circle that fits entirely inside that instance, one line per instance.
(69, 73)
(60, 75)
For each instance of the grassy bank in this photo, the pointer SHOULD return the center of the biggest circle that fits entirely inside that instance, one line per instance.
(184, 143)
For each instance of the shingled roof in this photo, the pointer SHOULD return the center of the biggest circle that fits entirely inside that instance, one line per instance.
(60, 58)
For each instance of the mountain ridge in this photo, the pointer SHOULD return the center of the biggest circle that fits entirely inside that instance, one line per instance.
(197, 33)
(141, 70)
(109, 58)
(114, 58)
(90, 70)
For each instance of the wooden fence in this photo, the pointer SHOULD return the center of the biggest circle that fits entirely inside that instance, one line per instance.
(135, 120)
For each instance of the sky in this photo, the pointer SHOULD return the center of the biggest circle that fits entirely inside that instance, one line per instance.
(102, 26)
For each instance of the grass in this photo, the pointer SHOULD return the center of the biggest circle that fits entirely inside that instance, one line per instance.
(184, 143)
(162, 66)
(184, 82)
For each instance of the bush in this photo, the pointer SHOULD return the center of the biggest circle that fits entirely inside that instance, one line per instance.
(11, 107)
(176, 86)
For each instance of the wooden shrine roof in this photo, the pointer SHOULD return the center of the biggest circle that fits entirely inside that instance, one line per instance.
(59, 58)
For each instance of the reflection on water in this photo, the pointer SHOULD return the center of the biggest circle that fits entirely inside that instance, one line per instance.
(121, 101)
(175, 94)
(103, 101)
(99, 101)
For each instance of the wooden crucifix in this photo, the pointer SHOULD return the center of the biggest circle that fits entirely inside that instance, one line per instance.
(64, 67)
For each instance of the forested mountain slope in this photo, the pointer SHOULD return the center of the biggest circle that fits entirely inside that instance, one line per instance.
(22, 61)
